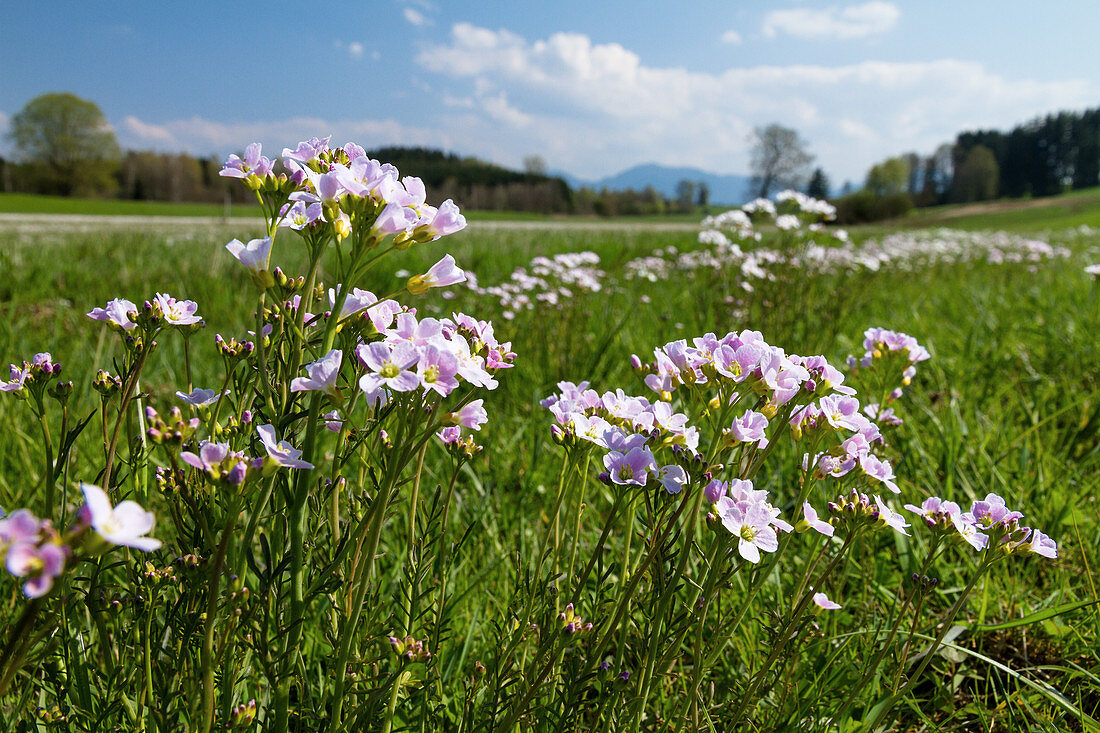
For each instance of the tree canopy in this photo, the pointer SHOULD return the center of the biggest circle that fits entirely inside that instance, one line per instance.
(780, 159)
(68, 142)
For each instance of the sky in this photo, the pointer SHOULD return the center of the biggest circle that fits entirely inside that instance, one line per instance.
(592, 87)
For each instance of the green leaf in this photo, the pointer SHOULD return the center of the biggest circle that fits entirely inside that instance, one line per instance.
(1043, 615)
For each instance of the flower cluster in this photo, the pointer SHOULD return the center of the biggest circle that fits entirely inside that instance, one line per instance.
(34, 374)
(546, 281)
(745, 512)
(34, 551)
(988, 524)
(629, 428)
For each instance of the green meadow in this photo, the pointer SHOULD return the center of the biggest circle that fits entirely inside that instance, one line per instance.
(1008, 404)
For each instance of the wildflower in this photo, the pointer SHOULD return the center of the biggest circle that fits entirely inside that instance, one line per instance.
(39, 563)
(811, 521)
(946, 516)
(878, 470)
(308, 150)
(124, 525)
(471, 416)
(436, 370)
(252, 164)
(19, 526)
(116, 314)
(219, 463)
(1040, 544)
(890, 518)
(300, 214)
(751, 525)
(200, 397)
(446, 220)
(389, 366)
(323, 374)
(254, 257)
(280, 453)
(441, 274)
(631, 467)
(1093, 270)
(822, 601)
(750, 428)
(673, 478)
(333, 421)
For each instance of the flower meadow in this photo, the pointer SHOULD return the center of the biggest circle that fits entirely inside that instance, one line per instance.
(362, 471)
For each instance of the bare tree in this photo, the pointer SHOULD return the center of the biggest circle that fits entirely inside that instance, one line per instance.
(534, 165)
(779, 159)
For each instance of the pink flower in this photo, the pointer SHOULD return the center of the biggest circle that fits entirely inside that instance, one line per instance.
(751, 525)
(632, 467)
(323, 374)
(390, 367)
(1042, 545)
(252, 255)
(280, 452)
(441, 274)
(124, 525)
(177, 312)
(39, 563)
(471, 416)
(823, 602)
(814, 523)
(750, 427)
(890, 518)
(437, 369)
(199, 397)
(115, 314)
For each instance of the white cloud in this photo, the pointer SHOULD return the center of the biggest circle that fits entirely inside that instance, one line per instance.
(854, 21)
(147, 132)
(415, 17)
(593, 109)
(355, 49)
(731, 37)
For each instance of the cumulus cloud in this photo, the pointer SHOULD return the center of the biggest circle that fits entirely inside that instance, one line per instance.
(595, 108)
(731, 37)
(355, 49)
(415, 17)
(153, 134)
(854, 21)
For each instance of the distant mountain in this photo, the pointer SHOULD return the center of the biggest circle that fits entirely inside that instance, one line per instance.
(724, 189)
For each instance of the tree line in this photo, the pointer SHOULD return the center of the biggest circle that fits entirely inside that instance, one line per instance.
(64, 146)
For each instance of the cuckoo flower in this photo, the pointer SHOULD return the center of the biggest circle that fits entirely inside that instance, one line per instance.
(280, 453)
(200, 397)
(323, 374)
(471, 416)
(177, 312)
(115, 314)
(751, 525)
(254, 258)
(389, 367)
(814, 522)
(124, 525)
(38, 563)
(439, 275)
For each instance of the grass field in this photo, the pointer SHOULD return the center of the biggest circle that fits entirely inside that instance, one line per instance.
(1008, 404)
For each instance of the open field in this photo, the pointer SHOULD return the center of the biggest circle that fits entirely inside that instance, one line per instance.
(1008, 404)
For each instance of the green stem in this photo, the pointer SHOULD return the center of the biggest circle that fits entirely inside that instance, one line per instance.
(931, 651)
(123, 405)
(214, 590)
(662, 610)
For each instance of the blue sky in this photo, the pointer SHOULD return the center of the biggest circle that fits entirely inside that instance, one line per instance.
(593, 87)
